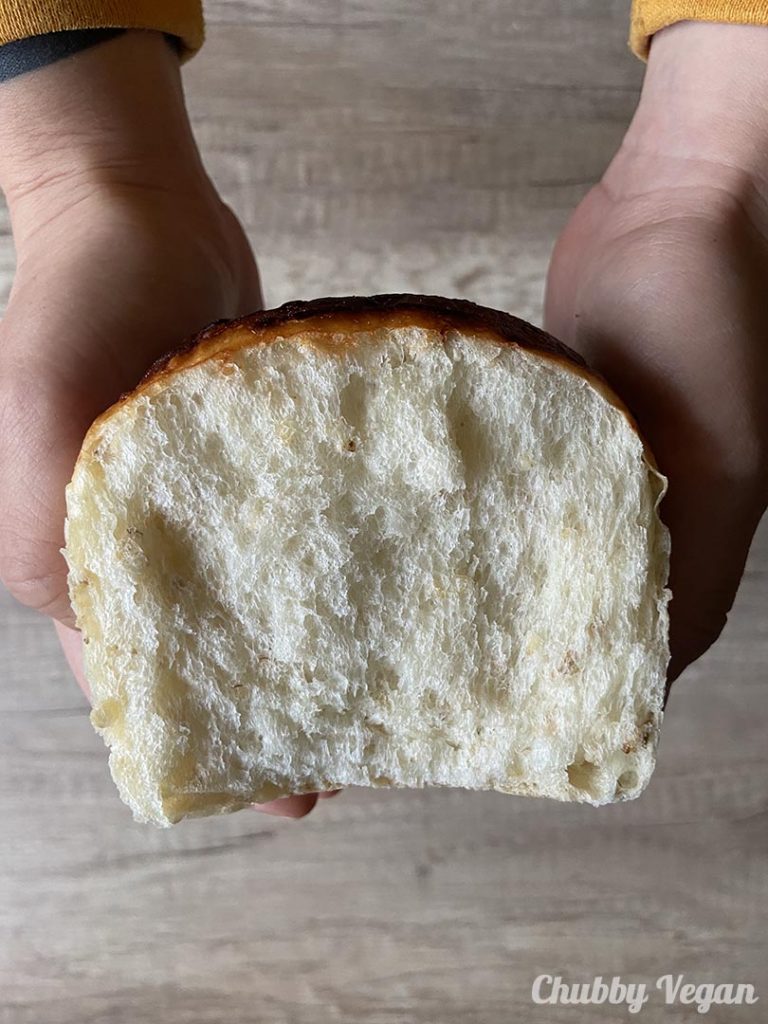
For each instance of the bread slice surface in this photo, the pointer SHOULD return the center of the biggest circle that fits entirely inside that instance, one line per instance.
(398, 541)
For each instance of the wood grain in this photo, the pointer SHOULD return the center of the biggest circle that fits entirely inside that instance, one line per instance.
(396, 146)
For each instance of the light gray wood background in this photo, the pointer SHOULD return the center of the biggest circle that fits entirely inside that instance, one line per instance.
(426, 145)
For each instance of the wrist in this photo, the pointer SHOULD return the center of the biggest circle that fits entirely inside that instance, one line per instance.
(112, 115)
(703, 113)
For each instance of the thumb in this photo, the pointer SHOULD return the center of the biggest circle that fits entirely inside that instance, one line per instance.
(39, 440)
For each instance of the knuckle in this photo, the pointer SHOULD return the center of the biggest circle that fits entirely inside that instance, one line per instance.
(32, 570)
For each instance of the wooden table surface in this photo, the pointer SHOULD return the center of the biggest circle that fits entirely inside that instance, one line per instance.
(418, 145)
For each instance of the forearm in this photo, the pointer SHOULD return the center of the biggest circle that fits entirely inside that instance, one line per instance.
(111, 114)
(704, 108)
(651, 16)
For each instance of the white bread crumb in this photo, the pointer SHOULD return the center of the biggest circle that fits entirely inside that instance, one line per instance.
(427, 558)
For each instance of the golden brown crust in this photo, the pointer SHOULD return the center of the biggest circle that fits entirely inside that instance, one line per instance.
(335, 320)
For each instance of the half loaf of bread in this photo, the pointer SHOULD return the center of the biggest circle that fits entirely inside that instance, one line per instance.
(394, 541)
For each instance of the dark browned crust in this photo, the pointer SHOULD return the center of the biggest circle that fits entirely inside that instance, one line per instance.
(333, 322)
(355, 313)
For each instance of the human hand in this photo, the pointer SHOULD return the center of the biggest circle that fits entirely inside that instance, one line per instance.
(123, 249)
(660, 280)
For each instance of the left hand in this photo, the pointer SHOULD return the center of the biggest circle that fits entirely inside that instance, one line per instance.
(124, 249)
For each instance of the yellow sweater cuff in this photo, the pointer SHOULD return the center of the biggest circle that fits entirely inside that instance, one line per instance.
(20, 19)
(649, 16)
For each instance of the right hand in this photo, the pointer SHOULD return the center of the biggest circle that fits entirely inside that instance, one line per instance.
(660, 281)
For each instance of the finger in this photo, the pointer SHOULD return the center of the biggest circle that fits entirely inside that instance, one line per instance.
(712, 523)
(39, 440)
(71, 641)
(289, 806)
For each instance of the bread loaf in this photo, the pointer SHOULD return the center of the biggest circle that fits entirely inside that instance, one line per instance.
(395, 541)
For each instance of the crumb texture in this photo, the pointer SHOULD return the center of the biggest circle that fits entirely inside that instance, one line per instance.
(427, 559)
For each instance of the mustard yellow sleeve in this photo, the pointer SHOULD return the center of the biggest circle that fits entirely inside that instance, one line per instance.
(649, 16)
(20, 19)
